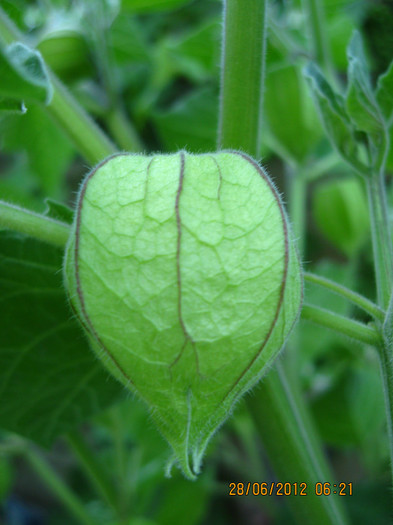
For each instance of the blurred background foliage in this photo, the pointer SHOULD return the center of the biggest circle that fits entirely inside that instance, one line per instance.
(148, 72)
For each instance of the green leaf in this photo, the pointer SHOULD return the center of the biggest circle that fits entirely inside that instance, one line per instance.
(180, 499)
(334, 117)
(361, 104)
(196, 53)
(132, 424)
(6, 477)
(23, 74)
(290, 113)
(49, 150)
(66, 53)
(50, 380)
(385, 94)
(128, 41)
(371, 502)
(16, 10)
(341, 213)
(140, 521)
(314, 348)
(339, 30)
(19, 185)
(147, 6)
(59, 211)
(11, 107)
(190, 123)
(351, 412)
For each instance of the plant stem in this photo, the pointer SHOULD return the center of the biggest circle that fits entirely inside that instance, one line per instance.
(322, 166)
(316, 26)
(359, 300)
(30, 223)
(93, 469)
(242, 75)
(289, 438)
(239, 128)
(122, 130)
(87, 137)
(383, 262)
(381, 238)
(297, 205)
(59, 488)
(340, 324)
(386, 366)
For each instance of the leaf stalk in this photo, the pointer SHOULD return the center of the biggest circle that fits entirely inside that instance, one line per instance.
(30, 223)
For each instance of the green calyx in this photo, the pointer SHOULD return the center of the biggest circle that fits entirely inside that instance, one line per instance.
(183, 271)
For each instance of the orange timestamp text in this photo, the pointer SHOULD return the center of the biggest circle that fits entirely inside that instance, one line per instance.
(274, 488)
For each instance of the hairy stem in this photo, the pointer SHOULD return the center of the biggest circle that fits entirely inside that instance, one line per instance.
(287, 433)
(87, 137)
(359, 300)
(297, 205)
(242, 75)
(342, 325)
(31, 223)
(381, 238)
(239, 128)
(122, 130)
(322, 166)
(386, 367)
(383, 264)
